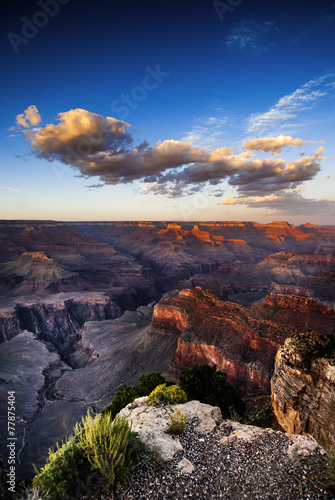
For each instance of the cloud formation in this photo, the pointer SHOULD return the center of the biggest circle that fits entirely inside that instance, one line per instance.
(102, 146)
(252, 34)
(285, 203)
(30, 117)
(273, 144)
(79, 134)
(289, 106)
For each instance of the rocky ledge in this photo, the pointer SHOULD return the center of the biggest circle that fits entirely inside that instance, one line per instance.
(218, 458)
(303, 386)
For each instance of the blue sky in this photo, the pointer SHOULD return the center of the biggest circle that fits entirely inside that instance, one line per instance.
(169, 111)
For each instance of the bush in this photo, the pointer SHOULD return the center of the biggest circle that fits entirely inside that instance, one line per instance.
(167, 395)
(105, 442)
(127, 393)
(123, 396)
(177, 423)
(149, 381)
(208, 385)
(65, 474)
(97, 458)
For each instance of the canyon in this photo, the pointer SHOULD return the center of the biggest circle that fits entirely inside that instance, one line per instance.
(86, 306)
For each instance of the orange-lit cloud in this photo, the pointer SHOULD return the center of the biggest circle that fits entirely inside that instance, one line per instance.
(284, 203)
(29, 117)
(79, 133)
(101, 146)
(273, 144)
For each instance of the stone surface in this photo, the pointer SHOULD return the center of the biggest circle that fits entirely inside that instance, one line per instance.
(151, 423)
(230, 461)
(24, 365)
(109, 352)
(243, 432)
(302, 446)
(303, 389)
(185, 466)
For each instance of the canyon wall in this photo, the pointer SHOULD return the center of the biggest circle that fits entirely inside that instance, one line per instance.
(303, 387)
(242, 341)
(58, 317)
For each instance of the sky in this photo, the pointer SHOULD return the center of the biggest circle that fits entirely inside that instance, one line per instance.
(168, 110)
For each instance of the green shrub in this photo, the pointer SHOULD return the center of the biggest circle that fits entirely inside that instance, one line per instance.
(330, 472)
(105, 442)
(65, 474)
(309, 346)
(123, 396)
(127, 393)
(149, 381)
(97, 458)
(177, 423)
(167, 395)
(208, 385)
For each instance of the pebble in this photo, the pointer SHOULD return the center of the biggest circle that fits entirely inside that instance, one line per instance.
(260, 469)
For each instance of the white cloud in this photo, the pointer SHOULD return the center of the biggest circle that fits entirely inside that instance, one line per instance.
(253, 35)
(289, 106)
(10, 188)
(100, 146)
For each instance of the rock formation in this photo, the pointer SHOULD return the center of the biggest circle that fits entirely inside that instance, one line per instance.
(303, 387)
(241, 341)
(57, 317)
(217, 458)
(151, 423)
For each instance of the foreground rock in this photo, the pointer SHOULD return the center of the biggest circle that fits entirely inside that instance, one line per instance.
(224, 459)
(303, 387)
(151, 423)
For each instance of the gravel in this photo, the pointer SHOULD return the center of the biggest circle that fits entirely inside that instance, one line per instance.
(260, 469)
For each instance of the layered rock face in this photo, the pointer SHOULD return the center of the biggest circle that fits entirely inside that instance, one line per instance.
(303, 387)
(58, 317)
(54, 258)
(241, 341)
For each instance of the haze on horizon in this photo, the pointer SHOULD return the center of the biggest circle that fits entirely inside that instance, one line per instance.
(155, 111)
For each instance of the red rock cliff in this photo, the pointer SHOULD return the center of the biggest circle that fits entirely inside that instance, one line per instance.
(242, 341)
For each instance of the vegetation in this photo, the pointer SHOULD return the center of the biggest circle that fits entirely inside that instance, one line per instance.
(102, 451)
(177, 423)
(105, 443)
(97, 458)
(310, 346)
(330, 473)
(149, 381)
(208, 385)
(123, 396)
(127, 393)
(164, 394)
